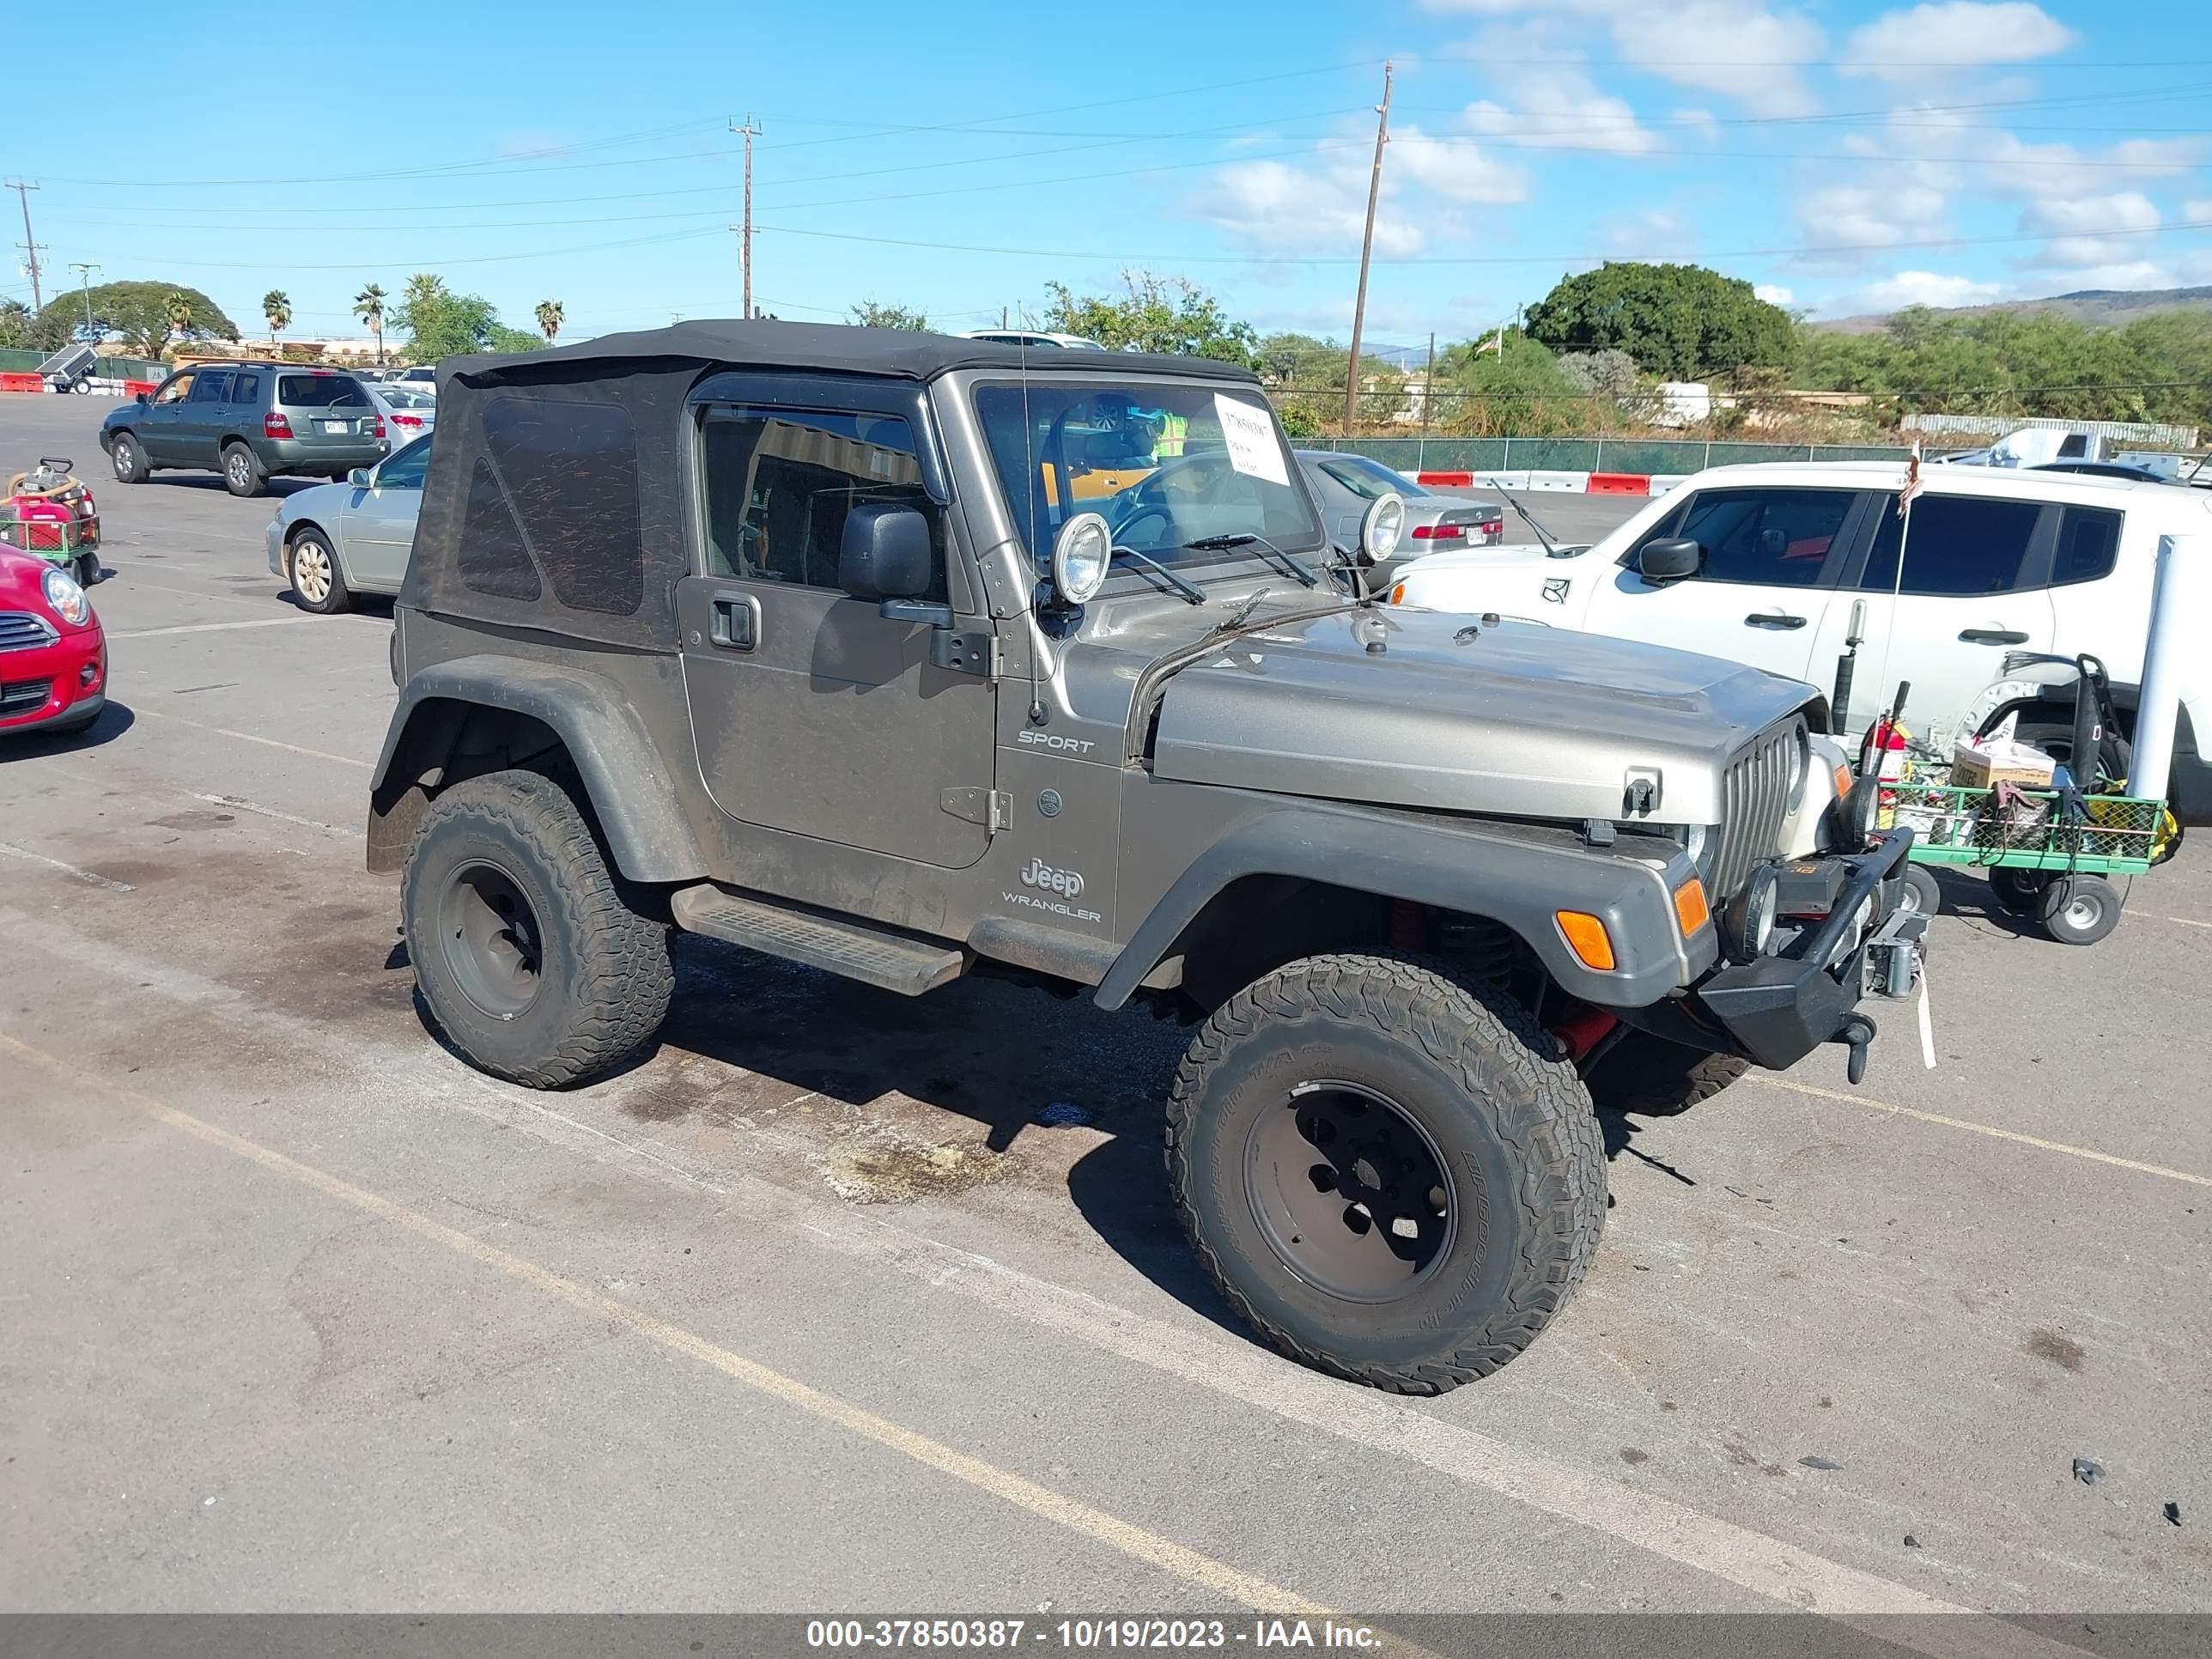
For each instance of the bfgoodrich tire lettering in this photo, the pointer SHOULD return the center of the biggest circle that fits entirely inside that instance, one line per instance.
(1473, 1077)
(603, 973)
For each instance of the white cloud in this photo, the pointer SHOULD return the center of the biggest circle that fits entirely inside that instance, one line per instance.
(2196, 212)
(2125, 274)
(1915, 288)
(1549, 97)
(1658, 234)
(1282, 207)
(1937, 40)
(1774, 295)
(1742, 49)
(2085, 230)
(1842, 219)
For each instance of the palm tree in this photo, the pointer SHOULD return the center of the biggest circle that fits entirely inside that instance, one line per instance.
(177, 308)
(276, 307)
(369, 306)
(549, 319)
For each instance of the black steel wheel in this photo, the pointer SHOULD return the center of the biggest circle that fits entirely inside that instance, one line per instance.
(491, 939)
(1393, 1176)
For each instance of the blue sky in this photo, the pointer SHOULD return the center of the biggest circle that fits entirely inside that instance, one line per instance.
(1845, 157)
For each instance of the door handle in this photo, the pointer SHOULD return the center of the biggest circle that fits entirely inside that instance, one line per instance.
(736, 622)
(1773, 620)
(1993, 636)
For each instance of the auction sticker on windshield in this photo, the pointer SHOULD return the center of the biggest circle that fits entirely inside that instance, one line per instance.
(1249, 434)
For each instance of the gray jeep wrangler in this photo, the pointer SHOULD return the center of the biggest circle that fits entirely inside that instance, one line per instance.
(908, 658)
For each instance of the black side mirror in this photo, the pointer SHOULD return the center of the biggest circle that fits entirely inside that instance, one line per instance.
(884, 554)
(1670, 561)
(140, 397)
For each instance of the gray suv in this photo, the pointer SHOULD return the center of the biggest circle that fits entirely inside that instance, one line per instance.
(250, 422)
(835, 644)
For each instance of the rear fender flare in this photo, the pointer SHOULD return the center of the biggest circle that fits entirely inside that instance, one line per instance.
(1517, 880)
(635, 797)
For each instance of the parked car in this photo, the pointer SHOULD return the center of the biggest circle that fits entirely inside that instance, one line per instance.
(1766, 565)
(339, 539)
(2121, 470)
(251, 422)
(408, 411)
(799, 638)
(421, 377)
(1344, 486)
(53, 657)
(1034, 339)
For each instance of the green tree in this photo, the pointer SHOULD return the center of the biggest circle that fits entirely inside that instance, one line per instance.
(277, 308)
(146, 314)
(440, 323)
(1520, 390)
(1154, 314)
(549, 319)
(500, 338)
(869, 313)
(50, 330)
(1676, 321)
(369, 306)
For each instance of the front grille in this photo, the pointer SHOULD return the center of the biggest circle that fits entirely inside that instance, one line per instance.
(1755, 800)
(23, 630)
(22, 696)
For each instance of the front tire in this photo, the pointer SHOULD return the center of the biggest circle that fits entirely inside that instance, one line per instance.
(317, 581)
(524, 949)
(1927, 892)
(128, 459)
(241, 471)
(1387, 1173)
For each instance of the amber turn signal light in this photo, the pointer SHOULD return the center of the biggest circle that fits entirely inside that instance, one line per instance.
(1587, 938)
(1691, 909)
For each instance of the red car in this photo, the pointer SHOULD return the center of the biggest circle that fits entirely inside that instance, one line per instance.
(53, 658)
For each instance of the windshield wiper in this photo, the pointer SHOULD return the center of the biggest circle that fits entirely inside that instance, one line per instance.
(1190, 593)
(1551, 551)
(1294, 564)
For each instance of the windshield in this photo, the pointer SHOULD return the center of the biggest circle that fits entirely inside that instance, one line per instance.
(1167, 466)
(1370, 479)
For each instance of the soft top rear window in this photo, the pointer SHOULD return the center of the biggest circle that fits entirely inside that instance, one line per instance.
(321, 392)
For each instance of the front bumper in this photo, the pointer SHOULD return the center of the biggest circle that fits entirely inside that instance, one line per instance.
(1778, 1010)
(73, 672)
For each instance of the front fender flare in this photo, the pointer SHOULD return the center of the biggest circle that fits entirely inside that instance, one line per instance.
(633, 795)
(1516, 878)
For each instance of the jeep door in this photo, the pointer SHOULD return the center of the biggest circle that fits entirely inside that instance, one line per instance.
(1976, 586)
(1771, 556)
(814, 712)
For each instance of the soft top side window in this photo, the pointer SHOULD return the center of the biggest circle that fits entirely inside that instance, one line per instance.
(777, 485)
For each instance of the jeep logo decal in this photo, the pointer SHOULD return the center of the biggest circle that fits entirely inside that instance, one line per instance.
(1065, 883)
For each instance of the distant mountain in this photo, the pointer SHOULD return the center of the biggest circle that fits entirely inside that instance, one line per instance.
(2101, 307)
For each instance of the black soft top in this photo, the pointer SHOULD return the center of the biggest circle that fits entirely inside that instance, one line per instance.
(892, 351)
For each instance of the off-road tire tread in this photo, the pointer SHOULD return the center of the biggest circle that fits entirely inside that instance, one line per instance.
(1507, 1064)
(1654, 1077)
(626, 972)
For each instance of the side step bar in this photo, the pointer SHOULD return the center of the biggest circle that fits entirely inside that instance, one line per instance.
(892, 960)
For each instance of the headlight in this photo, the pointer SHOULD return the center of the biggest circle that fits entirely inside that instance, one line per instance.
(1382, 526)
(67, 598)
(1854, 816)
(1080, 554)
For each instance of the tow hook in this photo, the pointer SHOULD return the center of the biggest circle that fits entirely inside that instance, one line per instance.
(1857, 1031)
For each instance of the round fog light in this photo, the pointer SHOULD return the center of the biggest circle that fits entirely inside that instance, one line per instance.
(1752, 915)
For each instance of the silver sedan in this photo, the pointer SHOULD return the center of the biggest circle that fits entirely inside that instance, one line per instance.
(339, 539)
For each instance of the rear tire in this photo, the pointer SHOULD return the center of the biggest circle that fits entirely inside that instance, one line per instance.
(318, 583)
(2081, 909)
(1653, 1077)
(525, 950)
(242, 471)
(2020, 891)
(87, 569)
(128, 459)
(1386, 1173)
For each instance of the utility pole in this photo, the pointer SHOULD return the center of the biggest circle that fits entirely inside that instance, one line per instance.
(1366, 247)
(84, 271)
(30, 244)
(746, 233)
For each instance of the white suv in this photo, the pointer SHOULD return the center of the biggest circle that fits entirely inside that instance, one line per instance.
(2000, 566)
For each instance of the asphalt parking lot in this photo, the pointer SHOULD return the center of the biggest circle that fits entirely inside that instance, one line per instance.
(842, 1303)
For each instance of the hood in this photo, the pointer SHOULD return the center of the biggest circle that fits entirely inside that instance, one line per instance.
(1511, 719)
(315, 502)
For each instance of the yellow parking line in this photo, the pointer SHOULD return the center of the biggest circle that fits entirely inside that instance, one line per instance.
(1991, 1129)
(1188, 1565)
